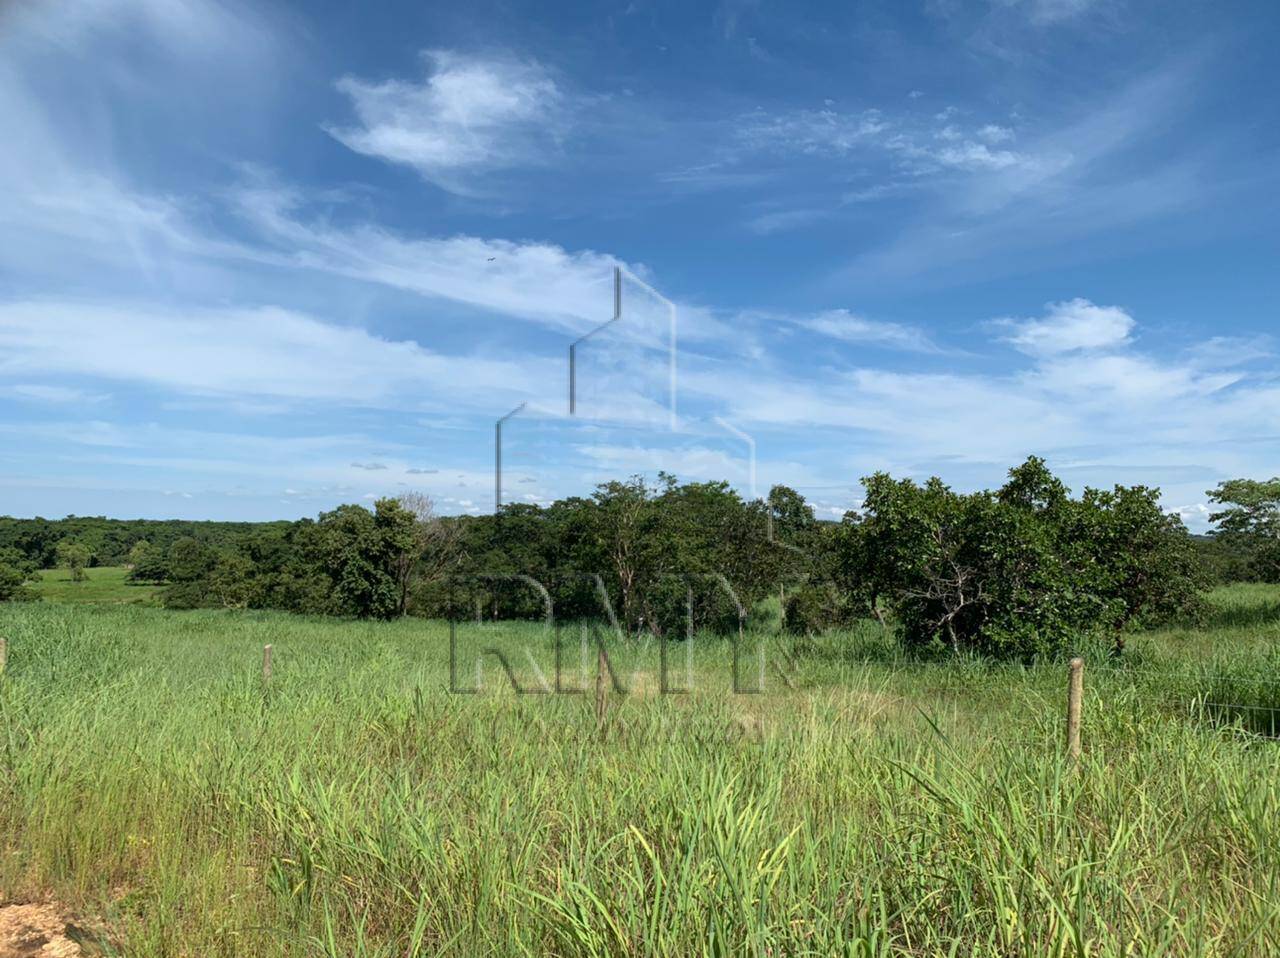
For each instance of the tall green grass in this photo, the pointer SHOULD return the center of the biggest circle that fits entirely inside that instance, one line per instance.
(883, 807)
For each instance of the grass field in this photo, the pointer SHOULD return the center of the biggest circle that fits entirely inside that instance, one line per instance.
(882, 807)
(104, 584)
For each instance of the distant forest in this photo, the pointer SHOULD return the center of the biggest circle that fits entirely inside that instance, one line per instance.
(108, 542)
(1017, 570)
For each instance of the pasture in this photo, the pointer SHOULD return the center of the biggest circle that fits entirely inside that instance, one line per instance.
(102, 584)
(151, 781)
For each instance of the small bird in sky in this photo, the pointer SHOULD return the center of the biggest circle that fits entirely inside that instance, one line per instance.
(492, 258)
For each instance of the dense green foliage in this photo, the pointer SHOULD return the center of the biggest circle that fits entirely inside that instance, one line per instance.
(16, 570)
(349, 563)
(73, 557)
(1023, 571)
(1249, 526)
(662, 559)
(886, 807)
(109, 541)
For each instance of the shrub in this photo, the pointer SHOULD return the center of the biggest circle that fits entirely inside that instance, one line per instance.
(818, 607)
(1026, 570)
(15, 572)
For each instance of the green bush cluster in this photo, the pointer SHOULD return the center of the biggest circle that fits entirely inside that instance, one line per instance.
(16, 570)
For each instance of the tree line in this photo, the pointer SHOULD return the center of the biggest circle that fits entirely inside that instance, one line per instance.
(1022, 570)
(107, 542)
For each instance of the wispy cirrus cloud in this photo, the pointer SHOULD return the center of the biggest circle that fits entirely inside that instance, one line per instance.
(1101, 169)
(849, 327)
(825, 131)
(539, 281)
(1046, 12)
(47, 394)
(910, 143)
(244, 352)
(873, 155)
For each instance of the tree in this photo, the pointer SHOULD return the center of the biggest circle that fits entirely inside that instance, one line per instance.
(189, 560)
(672, 555)
(929, 546)
(16, 570)
(73, 557)
(150, 565)
(186, 568)
(363, 554)
(711, 560)
(1024, 570)
(623, 527)
(1250, 523)
(1139, 561)
(850, 558)
(791, 519)
(795, 537)
(1252, 509)
(229, 582)
(138, 553)
(433, 547)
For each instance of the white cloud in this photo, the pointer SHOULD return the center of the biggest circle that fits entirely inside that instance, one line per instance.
(914, 148)
(1227, 351)
(810, 131)
(779, 220)
(54, 395)
(1074, 180)
(978, 156)
(1093, 380)
(851, 328)
(1086, 397)
(1070, 327)
(468, 115)
(74, 209)
(203, 29)
(995, 134)
(569, 290)
(92, 432)
(1195, 515)
(255, 352)
(1046, 12)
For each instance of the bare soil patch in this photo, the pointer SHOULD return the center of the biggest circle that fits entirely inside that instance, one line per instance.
(42, 930)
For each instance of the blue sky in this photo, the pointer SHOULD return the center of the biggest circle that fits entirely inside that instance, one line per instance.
(258, 259)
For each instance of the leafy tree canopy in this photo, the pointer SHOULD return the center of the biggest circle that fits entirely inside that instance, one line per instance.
(1251, 508)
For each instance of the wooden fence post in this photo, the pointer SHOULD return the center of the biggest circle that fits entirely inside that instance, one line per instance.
(1075, 691)
(4, 654)
(266, 665)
